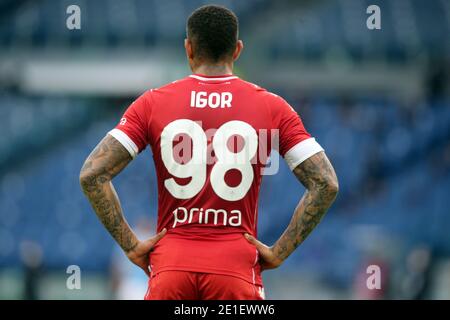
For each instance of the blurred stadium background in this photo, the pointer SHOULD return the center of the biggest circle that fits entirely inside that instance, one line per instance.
(377, 100)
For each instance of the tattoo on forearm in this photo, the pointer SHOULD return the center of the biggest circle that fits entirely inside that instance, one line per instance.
(318, 176)
(103, 164)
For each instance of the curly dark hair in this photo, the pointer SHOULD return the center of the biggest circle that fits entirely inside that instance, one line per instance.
(213, 31)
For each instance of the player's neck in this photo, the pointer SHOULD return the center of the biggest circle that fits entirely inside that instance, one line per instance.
(213, 70)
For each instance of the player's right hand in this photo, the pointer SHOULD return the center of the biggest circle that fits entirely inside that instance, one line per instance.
(140, 254)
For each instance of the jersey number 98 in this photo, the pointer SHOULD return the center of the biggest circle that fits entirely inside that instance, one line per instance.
(195, 168)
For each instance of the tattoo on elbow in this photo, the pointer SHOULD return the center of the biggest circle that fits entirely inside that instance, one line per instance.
(332, 187)
(105, 162)
(317, 175)
(88, 182)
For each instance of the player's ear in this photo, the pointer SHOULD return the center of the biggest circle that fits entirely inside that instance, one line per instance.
(188, 47)
(238, 50)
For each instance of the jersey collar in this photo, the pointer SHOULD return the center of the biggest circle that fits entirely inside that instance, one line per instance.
(224, 77)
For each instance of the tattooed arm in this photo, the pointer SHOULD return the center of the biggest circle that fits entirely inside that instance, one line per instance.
(318, 176)
(103, 164)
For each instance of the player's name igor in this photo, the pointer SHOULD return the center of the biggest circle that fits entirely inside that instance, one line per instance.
(213, 100)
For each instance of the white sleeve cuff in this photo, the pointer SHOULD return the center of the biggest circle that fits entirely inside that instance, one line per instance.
(125, 141)
(302, 151)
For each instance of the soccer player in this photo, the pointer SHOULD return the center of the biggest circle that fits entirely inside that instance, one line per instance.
(206, 134)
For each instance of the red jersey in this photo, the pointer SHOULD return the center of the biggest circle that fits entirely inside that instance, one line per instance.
(210, 138)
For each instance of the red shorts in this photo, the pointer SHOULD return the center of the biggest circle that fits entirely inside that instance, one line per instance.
(185, 285)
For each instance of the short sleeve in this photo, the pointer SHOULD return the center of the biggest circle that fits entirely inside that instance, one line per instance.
(132, 129)
(295, 143)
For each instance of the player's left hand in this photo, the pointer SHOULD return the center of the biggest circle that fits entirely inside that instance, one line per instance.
(268, 259)
(139, 255)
